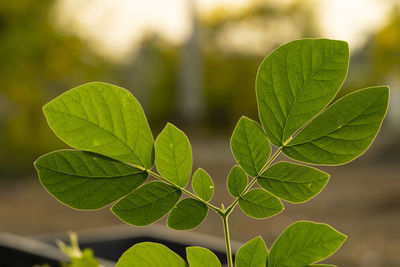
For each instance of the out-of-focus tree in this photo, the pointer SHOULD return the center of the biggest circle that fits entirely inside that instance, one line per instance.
(37, 63)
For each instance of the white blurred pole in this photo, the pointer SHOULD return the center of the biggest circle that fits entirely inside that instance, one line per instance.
(190, 73)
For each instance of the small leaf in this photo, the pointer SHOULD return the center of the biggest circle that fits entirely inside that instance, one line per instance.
(250, 146)
(304, 243)
(237, 181)
(202, 184)
(86, 181)
(147, 204)
(297, 81)
(201, 257)
(187, 214)
(252, 254)
(293, 182)
(104, 119)
(343, 131)
(174, 155)
(148, 254)
(260, 204)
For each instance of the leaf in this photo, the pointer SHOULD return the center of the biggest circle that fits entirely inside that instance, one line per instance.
(187, 214)
(147, 204)
(104, 119)
(86, 181)
(203, 185)
(201, 257)
(250, 146)
(252, 254)
(237, 181)
(260, 204)
(297, 81)
(304, 243)
(148, 254)
(293, 182)
(174, 155)
(343, 131)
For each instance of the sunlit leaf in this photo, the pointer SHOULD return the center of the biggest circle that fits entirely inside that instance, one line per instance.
(104, 119)
(296, 81)
(343, 131)
(174, 155)
(237, 181)
(84, 180)
(304, 243)
(202, 184)
(252, 254)
(147, 204)
(260, 204)
(187, 214)
(293, 182)
(201, 257)
(148, 254)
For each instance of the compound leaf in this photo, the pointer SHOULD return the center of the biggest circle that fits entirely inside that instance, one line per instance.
(304, 243)
(237, 181)
(250, 146)
(252, 254)
(202, 184)
(343, 131)
(293, 182)
(187, 214)
(201, 257)
(297, 81)
(260, 204)
(174, 155)
(148, 254)
(147, 204)
(104, 119)
(86, 181)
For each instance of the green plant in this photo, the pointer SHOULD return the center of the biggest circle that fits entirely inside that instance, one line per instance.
(116, 153)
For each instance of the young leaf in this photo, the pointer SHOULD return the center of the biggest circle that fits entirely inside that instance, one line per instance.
(86, 181)
(201, 257)
(343, 131)
(147, 204)
(148, 254)
(174, 155)
(252, 254)
(237, 181)
(104, 119)
(250, 146)
(202, 184)
(293, 182)
(296, 81)
(304, 243)
(187, 214)
(260, 204)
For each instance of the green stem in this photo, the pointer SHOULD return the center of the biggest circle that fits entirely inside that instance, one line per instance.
(156, 175)
(227, 240)
(253, 181)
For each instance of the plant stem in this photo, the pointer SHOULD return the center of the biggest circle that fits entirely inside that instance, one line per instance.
(227, 240)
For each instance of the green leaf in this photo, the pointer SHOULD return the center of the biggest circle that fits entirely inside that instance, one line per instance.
(86, 181)
(174, 155)
(260, 204)
(187, 214)
(250, 146)
(296, 81)
(147, 204)
(304, 243)
(252, 254)
(202, 184)
(201, 257)
(237, 181)
(343, 131)
(148, 254)
(293, 182)
(104, 119)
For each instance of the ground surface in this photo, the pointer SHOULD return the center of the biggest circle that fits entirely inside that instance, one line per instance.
(362, 199)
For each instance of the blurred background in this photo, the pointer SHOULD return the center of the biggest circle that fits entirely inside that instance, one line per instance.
(193, 63)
